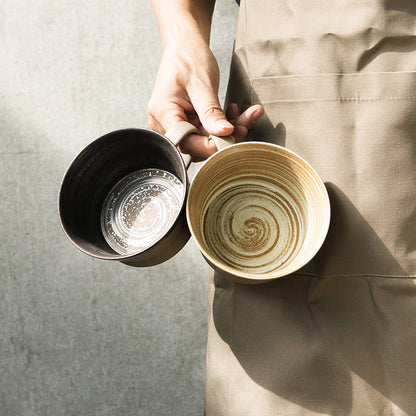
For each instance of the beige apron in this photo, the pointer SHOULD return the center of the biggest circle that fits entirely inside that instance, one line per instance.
(337, 80)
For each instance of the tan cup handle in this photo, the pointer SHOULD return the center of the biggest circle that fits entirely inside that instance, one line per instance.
(178, 132)
(222, 142)
(182, 129)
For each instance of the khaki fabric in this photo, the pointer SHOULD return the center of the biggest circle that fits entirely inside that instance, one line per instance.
(338, 83)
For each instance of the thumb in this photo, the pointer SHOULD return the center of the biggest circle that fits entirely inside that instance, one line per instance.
(210, 113)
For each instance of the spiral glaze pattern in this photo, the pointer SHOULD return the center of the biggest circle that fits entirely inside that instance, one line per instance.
(253, 226)
(140, 209)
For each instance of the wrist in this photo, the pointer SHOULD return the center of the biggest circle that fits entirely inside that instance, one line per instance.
(182, 21)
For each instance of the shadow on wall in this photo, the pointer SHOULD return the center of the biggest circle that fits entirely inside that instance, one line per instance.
(323, 342)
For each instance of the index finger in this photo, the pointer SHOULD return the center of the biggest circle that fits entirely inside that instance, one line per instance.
(198, 146)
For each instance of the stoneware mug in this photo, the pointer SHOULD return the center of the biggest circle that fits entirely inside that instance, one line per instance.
(257, 211)
(124, 196)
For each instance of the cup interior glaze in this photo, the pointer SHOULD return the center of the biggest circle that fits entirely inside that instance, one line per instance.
(257, 211)
(95, 172)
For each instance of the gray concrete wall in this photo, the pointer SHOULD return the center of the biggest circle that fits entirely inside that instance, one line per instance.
(79, 336)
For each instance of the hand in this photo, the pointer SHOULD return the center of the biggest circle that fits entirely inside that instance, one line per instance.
(186, 89)
(241, 122)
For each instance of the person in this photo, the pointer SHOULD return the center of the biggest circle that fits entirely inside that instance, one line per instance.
(334, 81)
(187, 83)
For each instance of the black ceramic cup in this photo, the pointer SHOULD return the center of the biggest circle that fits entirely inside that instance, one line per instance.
(91, 180)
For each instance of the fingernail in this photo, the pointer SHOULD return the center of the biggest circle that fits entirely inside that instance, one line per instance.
(223, 124)
(257, 114)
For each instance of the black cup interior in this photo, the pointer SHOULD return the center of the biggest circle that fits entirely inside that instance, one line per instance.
(97, 169)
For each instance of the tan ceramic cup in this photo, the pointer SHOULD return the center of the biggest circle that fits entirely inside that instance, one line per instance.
(257, 211)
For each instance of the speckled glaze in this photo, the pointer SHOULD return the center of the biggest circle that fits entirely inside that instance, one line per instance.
(140, 209)
(257, 211)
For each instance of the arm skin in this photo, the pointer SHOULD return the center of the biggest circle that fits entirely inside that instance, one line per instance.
(187, 82)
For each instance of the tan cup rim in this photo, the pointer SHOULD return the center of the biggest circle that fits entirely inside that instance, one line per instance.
(223, 267)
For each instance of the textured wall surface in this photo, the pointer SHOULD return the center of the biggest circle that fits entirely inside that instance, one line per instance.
(79, 336)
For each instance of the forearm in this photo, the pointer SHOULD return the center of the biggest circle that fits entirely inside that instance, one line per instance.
(182, 20)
